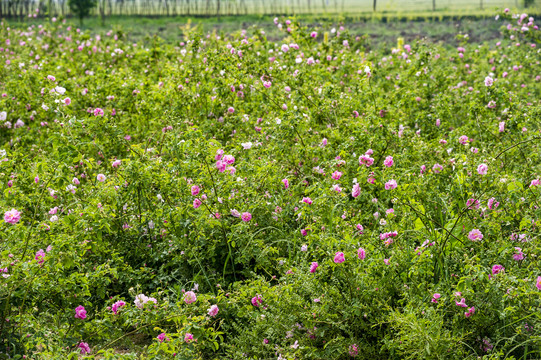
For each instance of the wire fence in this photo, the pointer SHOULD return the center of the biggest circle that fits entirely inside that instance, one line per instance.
(37, 8)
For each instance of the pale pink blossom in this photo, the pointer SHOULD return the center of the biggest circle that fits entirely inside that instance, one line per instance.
(336, 175)
(437, 168)
(391, 184)
(366, 160)
(12, 216)
(213, 310)
(475, 235)
(482, 169)
(190, 297)
(356, 191)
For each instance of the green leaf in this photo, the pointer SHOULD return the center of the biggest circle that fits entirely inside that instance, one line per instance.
(419, 224)
(515, 185)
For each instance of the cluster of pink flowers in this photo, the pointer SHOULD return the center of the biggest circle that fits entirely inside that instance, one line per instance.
(339, 257)
(391, 184)
(475, 235)
(257, 300)
(213, 310)
(486, 346)
(388, 161)
(246, 216)
(518, 255)
(80, 312)
(419, 250)
(496, 269)
(188, 338)
(482, 169)
(85, 349)
(470, 312)
(437, 168)
(336, 175)
(366, 160)
(190, 297)
(462, 302)
(40, 256)
(162, 337)
(473, 204)
(353, 350)
(142, 299)
(336, 188)
(356, 191)
(493, 204)
(224, 162)
(117, 305)
(12, 216)
(387, 235)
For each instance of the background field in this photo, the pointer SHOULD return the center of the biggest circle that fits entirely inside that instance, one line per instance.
(21, 9)
(381, 30)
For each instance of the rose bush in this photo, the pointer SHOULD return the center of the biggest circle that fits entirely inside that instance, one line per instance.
(231, 196)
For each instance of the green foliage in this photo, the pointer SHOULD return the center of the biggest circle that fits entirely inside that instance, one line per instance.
(82, 8)
(145, 171)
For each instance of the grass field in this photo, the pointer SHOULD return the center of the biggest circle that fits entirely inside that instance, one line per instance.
(382, 29)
